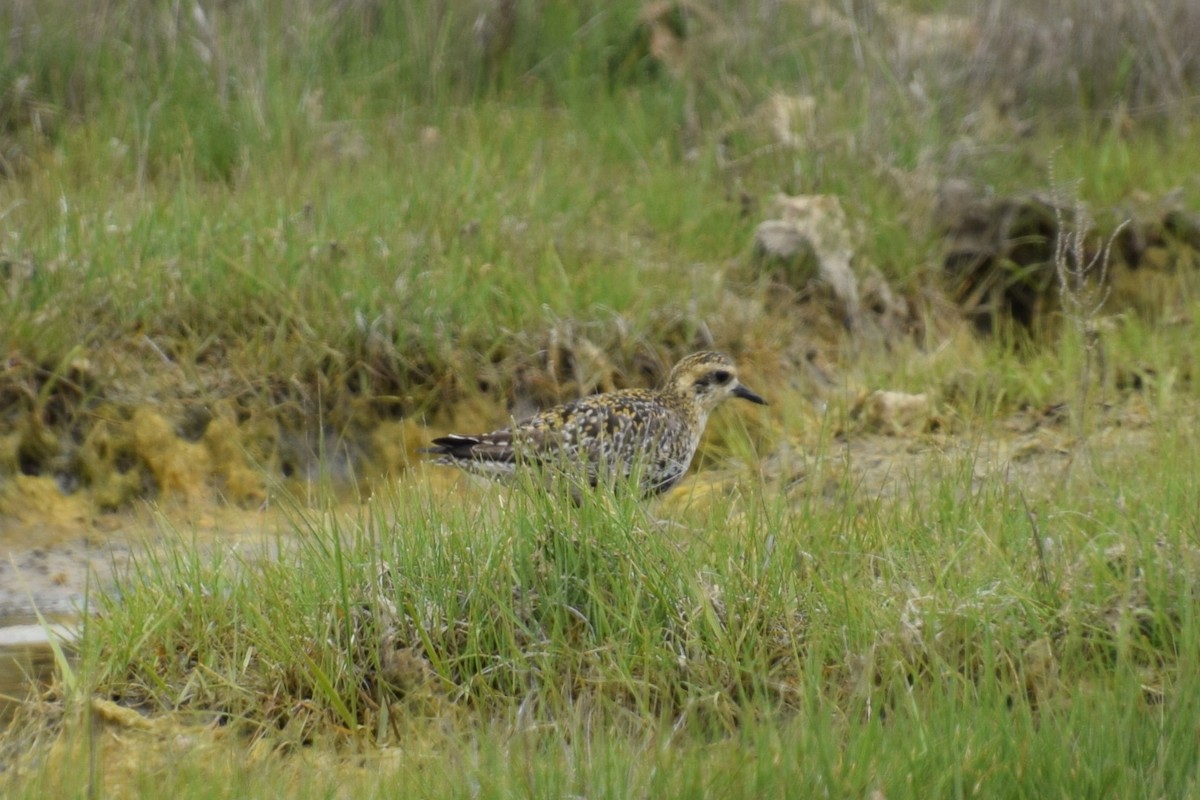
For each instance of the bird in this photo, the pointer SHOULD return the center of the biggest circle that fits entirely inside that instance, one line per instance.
(645, 435)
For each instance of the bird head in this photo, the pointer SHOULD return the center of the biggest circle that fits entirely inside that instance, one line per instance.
(708, 379)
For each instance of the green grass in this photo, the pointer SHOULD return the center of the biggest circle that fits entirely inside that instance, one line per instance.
(996, 752)
(994, 635)
(344, 195)
(362, 211)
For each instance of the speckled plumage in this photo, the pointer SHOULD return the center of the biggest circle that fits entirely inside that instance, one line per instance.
(653, 433)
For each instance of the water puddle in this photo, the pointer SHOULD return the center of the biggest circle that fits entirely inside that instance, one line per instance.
(27, 659)
(52, 571)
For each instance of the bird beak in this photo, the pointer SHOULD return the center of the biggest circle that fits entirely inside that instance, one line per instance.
(744, 393)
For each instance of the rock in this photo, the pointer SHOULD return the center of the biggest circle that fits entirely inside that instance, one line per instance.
(1000, 254)
(893, 413)
(784, 241)
(812, 245)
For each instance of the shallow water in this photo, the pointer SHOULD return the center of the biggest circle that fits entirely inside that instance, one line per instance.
(47, 568)
(53, 569)
(27, 659)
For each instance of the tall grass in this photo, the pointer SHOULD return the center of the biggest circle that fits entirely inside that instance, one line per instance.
(973, 634)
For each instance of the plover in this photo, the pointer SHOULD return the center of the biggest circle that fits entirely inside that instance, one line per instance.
(649, 434)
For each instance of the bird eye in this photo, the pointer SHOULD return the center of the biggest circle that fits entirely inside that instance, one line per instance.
(721, 376)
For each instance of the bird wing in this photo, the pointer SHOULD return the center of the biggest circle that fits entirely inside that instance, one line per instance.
(591, 429)
(568, 431)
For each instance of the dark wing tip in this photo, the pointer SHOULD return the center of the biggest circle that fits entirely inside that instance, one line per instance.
(454, 445)
(489, 447)
(455, 440)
